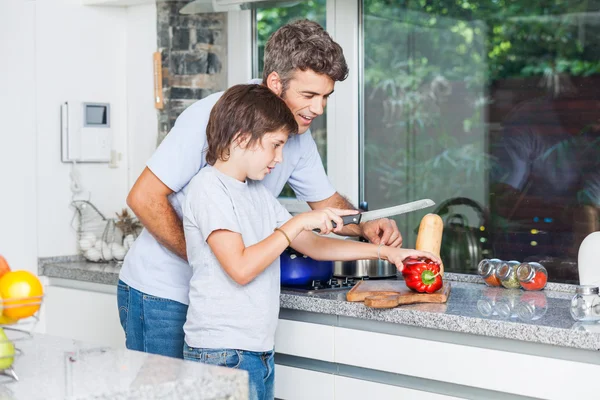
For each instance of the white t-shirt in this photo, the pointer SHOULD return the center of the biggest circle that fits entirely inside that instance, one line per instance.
(151, 268)
(222, 313)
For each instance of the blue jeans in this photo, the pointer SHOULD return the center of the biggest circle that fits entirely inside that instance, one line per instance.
(151, 324)
(260, 367)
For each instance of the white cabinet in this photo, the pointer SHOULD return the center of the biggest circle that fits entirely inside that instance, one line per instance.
(356, 389)
(304, 339)
(301, 384)
(84, 314)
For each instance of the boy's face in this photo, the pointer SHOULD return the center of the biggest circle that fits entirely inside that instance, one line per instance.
(265, 155)
(306, 95)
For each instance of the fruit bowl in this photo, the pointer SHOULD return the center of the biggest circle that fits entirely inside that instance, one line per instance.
(17, 322)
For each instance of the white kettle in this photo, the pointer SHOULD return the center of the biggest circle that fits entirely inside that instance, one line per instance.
(588, 260)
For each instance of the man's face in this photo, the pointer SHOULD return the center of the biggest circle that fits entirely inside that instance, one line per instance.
(306, 96)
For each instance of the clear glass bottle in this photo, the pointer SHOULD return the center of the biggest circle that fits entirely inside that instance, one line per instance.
(585, 305)
(532, 276)
(532, 306)
(487, 270)
(507, 273)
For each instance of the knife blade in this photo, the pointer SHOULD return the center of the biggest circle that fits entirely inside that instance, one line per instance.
(385, 212)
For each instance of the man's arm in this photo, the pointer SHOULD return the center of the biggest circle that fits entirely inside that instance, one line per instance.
(382, 230)
(148, 199)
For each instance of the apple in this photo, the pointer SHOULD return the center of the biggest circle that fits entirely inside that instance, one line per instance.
(4, 268)
(7, 351)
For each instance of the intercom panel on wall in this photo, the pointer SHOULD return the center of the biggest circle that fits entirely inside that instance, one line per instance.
(86, 132)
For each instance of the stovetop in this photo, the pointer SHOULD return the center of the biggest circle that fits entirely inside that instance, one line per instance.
(332, 284)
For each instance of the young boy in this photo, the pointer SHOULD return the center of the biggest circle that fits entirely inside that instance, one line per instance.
(235, 231)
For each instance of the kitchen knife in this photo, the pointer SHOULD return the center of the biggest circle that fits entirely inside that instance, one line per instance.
(384, 212)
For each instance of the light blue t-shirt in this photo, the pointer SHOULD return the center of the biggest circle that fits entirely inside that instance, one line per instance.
(151, 268)
(224, 314)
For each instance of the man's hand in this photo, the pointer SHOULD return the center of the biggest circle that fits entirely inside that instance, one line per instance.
(382, 231)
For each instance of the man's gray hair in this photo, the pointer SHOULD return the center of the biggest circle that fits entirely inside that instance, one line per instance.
(303, 45)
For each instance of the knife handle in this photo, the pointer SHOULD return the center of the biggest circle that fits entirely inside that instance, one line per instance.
(347, 219)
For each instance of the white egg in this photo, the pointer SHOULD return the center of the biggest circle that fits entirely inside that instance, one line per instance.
(84, 245)
(98, 245)
(106, 253)
(128, 241)
(89, 236)
(92, 254)
(118, 252)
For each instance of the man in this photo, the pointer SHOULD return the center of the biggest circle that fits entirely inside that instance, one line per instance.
(302, 64)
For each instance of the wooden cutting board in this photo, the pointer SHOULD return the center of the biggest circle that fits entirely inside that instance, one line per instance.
(391, 293)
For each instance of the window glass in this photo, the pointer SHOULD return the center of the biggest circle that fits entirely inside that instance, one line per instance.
(492, 110)
(267, 21)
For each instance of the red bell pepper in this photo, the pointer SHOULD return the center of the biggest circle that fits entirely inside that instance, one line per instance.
(422, 275)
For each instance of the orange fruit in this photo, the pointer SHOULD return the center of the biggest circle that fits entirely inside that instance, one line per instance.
(20, 291)
(4, 268)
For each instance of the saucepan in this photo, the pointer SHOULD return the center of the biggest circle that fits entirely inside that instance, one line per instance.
(299, 270)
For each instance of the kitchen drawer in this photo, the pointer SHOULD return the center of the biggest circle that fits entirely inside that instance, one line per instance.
(301, 384)
(304, 339)
(350, 389)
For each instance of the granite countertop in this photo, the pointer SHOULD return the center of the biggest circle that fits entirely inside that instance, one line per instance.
(473, 308)
(58, 368)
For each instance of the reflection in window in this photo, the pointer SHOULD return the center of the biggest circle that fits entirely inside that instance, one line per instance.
(493, 112)
(267, 21)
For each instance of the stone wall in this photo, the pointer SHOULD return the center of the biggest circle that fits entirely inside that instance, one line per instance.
(194, 59)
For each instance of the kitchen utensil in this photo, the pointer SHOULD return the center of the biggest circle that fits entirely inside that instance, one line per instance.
(391, 293)
(464, 245)
(384, 212)
(300, 270)
(364, 269)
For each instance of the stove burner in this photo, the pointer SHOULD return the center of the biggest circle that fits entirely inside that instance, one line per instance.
(321, 286)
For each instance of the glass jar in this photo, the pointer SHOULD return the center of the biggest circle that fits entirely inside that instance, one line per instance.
(585, 305)
(506, 304)
(487, 270)
(532, 306)
(532, 276)
(507, 273)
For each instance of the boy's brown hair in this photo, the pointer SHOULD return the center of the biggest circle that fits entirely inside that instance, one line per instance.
(303, 45)
(245, 109)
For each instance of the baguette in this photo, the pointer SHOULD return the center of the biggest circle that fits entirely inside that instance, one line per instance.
(429, 237)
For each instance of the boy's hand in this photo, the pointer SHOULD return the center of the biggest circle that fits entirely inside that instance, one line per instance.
(322, 219)
(396, 256)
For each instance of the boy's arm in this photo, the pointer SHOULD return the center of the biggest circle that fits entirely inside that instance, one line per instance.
(381, 230)
(324, 248)
(243, 264)
(148, 199)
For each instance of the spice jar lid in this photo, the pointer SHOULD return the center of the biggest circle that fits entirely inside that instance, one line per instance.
(485, 268)
(525, 272)
(587, 289)
(504, 271)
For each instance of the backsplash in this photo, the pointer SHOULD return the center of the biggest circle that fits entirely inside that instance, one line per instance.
(194, 59)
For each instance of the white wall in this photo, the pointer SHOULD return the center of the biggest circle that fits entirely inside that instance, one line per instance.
(18, 228)
(81, 55)
(54, 51)
(142, 117)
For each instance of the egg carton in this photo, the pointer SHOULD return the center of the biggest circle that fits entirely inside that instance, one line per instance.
(98, 238)
(16, 331)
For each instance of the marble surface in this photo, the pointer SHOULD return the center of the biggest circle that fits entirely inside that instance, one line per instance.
(57, 368)
(79, 269)
(538, 317)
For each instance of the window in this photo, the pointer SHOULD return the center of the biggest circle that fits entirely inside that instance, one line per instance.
(492, 112)
(267, 21)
